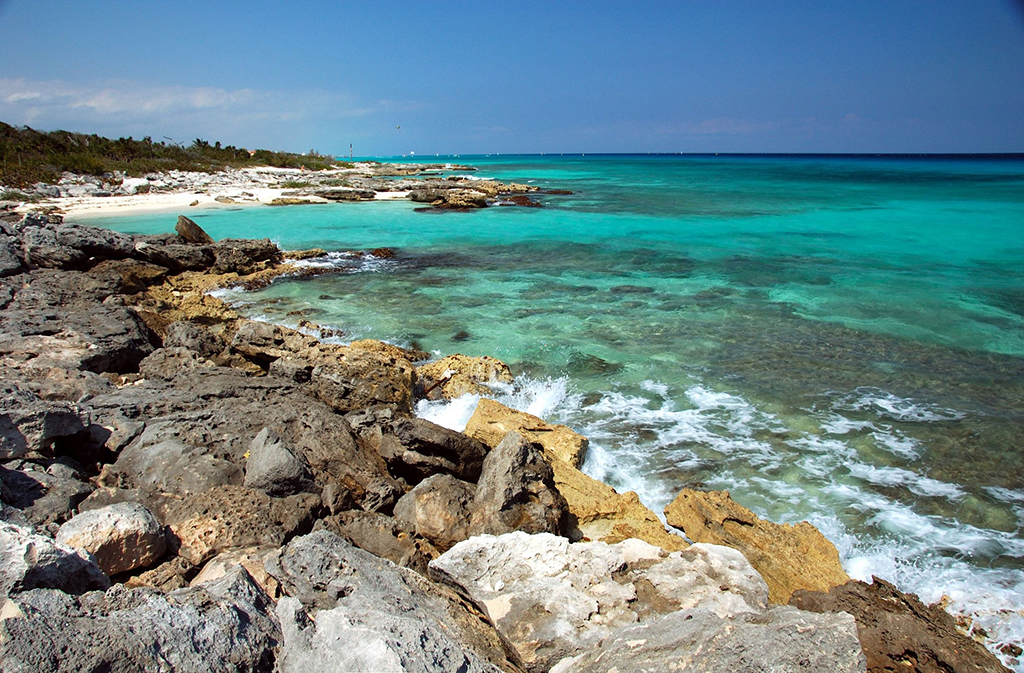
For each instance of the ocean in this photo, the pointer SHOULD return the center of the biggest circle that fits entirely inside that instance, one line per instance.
(834, 339)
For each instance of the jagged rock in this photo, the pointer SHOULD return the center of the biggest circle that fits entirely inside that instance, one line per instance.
(553, 599)
(9, 262)
(177, 256)
(232, 516)
(348, 379)
(437, 509)
(166, 363)
(898, 632)
(190, 232)
(30, 561)
(251, 558)
(371, 612)
(188, 335)
(208, 418)
(225, 625)
(788, 557)
(345, 194)
(265, 342)
(382, 536)
(47, 492)
(597, 511)
(517, 492)
(415, 449)
(168, 576)
(274, 468)
(121, 537)
(242, 256)
(782, 640)
(491, 421)
(388, 350)
(463, 375)
(29, 424)
(66, 246)
(130, 275)
(158, 460)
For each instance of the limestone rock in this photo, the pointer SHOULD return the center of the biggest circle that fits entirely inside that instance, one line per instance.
(491, 421)
(788, 557)
(348, 379)
(463, 374)
(274, 468)
(415, 448)
(122, 537)
(424, 625)
(232, 516)
(437, 509)
(193, 337)
(898, 632)
(46, 492)
(517, 491)
(597, 511)
(552, 599)
(190, 232)
(166, 363)
(265, 342)
(251, 558)
(29, 424)
(225, 625)
(382, 536)
(782, 640)
(31, 561)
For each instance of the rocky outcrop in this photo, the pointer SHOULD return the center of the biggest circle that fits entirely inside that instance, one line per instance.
(415, 449)
(898, 632)
(275, 468)
(46, 492)
(597, 511)
(370, 615)
(30, 561)
(437, 509)
(785, 639)
(457, 375)
(382, 536)
(491, 421)
(121, 537)
(788, 557)
(553, 599)
(228, 624)
(191, 232)
(517, 492)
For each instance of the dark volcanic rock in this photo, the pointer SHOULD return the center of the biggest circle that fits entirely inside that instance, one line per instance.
(275, 468)
(517, 492)
(178, 256)
(46, 492)
(29, 424)
(195, 338)
(224, 625)
(240, 255)
(898, 632)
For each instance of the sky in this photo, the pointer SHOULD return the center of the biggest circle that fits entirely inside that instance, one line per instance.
(456, 77)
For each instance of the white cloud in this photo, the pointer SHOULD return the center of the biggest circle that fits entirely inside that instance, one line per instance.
(242, 116)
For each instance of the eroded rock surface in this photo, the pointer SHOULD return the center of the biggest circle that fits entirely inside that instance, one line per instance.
(121, 537)
(788, 557)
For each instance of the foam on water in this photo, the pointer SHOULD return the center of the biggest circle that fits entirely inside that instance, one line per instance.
(818, 476)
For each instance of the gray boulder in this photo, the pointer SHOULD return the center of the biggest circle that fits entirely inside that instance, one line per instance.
(517, 492)
(224, 625)
(371, 615)
(121, 537)
(47, 492)
(780, 640)
(30, 561)
(29, 424)
(177, 256)
(437, 509)
(166, 363)
(274, 468)
(382, 536)
(188, 335)
(9, 262)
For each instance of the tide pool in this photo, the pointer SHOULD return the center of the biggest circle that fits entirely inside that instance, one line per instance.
(832, 339)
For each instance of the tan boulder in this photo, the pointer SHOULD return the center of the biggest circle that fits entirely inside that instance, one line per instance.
(788, 557)
(492, 421)
(597, 511)
(463, 374)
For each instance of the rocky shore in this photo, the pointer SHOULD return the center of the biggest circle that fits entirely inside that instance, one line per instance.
(363, 181)
(184, 489)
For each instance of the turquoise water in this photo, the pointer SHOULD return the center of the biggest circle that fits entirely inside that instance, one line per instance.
(830, 338)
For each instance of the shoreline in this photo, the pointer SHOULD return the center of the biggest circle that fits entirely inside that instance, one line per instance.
(177, 300)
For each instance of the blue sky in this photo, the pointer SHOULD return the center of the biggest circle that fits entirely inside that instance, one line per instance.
(473, 77)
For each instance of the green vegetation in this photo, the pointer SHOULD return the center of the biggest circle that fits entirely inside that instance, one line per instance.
(295, 184)
(28, 156)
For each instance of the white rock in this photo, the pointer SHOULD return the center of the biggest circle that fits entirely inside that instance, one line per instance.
(122, 537)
